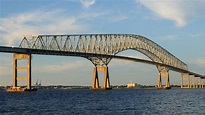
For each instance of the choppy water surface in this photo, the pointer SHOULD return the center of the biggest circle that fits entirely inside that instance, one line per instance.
(115, 102)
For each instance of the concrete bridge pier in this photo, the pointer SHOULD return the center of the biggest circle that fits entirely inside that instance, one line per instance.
(163, 72)
(186, 80)
(194, 81)
(27, 68)
(16, 78)
(95, 80)
(167, 85)
(191, 81)
(199, 82)
(202, 83)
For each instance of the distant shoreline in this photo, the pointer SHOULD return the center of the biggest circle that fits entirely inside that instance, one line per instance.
(87, 87)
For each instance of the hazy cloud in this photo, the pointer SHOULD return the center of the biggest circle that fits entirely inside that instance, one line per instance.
(63, 67)
(13, 28)
(117, 18)
(91, 15)
(179, 11)
(201, 62)
(4, 71)
(87, 3)
(169, 38)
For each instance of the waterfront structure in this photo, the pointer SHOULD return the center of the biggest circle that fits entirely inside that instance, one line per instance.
(131, 85)
(99, 49)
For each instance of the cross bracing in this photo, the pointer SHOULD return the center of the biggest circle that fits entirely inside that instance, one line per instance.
(109, 44)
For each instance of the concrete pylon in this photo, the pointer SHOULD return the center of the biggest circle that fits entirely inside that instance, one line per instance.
(196, 83)
(14, 71)
(199, 82)
(160, 75)
(191, 81)
(202, 83)
(95, 83)
(95, 80)
(159, 81)
(16, 68)
(186, 80)
(163, 72)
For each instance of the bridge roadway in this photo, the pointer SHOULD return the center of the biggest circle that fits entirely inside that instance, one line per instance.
(80, 54)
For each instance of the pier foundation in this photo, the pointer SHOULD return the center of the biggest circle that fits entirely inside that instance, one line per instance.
(167, 85)
(186, 80)
(16, 78)
(202, 83)
(95, 80)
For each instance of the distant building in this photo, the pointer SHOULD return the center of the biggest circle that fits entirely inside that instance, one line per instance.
(133, 85)
(130, 85)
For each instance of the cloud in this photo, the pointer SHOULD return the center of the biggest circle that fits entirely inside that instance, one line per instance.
(179, 11)
(118, 18)
(87, 3)
(169, 38)
(91, 15)
(13, 28)
(4, 71)
(198, 35)
(63, 67)
(118, 63)
(201, 62)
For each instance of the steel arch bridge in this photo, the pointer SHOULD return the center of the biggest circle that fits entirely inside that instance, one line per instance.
(100, 49)
(109, 44)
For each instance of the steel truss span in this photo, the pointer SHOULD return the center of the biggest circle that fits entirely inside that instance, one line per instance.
(109, 44)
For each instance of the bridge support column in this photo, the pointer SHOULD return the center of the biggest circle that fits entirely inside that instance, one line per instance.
(106, 78)
(95, 81)
(27, 68)
(198, 82)
(159, 80)
(194, 81)
(191, 83)
(160, 75)
(186, 82)
(202, 83)
(14, 71)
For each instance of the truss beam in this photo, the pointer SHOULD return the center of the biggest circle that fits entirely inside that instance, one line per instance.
(109, 44)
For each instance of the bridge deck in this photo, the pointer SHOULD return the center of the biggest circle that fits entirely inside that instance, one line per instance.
(80, 54)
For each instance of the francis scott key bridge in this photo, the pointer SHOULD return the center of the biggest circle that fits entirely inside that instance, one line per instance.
(100, 49)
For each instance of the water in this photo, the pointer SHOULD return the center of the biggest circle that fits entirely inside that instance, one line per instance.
(112, 102)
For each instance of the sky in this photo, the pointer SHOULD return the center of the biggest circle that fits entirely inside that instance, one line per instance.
(176, 25)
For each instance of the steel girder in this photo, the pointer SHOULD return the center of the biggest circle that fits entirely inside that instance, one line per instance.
(109, 44)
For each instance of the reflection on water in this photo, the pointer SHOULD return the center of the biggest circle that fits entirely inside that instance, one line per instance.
(116, 101)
